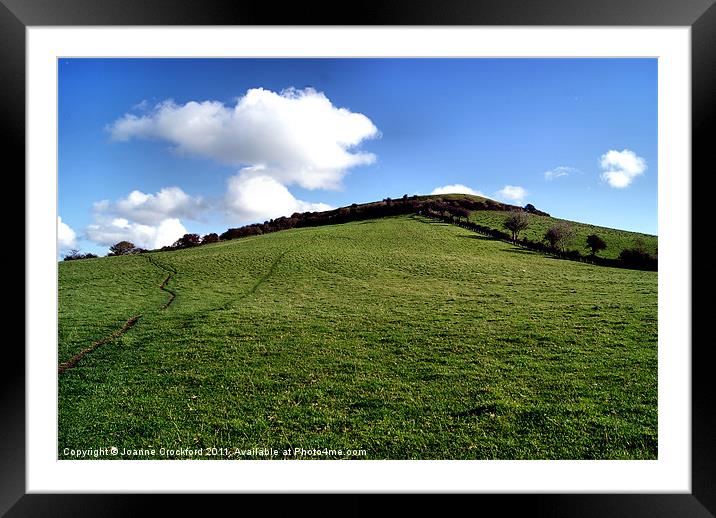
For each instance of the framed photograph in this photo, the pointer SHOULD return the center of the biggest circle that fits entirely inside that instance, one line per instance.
(413, 254)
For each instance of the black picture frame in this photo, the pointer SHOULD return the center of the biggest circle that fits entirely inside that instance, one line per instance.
(700, 15)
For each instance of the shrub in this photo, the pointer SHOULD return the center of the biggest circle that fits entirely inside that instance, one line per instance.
(460, 212)
(638, 257)
(596, 243)
(210, 238)
(122, 248)
(74, 254)
(533, 210)
(187, 241)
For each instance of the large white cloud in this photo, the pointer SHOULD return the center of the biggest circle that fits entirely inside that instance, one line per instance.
(621, 167)
(296, 136)
(66, 237)
(456, 188)
(151, 209)
(252, 195)
(109, 231)
(513, 193)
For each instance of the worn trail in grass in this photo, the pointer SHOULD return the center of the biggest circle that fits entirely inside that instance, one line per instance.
(103, 318)
(97, 296)
(403, 337)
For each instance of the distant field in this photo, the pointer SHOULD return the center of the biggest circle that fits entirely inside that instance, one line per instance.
(403, 337)
(616, 240)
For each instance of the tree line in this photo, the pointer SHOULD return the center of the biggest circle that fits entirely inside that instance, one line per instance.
(556, 240)
(453, 210)
(355, 212)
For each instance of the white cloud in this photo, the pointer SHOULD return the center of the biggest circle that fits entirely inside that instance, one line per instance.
(296, 136)
(151, 209)
(254, 196)
(147, 220)
(621, 167)
(559, 172)
(66, 237)
(108, 231)
(141, 105)
(168, 232)
(512, 193)
(456, 188)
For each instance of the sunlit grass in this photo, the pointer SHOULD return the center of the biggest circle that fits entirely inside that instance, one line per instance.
(407, 338)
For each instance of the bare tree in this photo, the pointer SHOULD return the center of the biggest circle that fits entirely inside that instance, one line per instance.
(516, 222)
(559, 235)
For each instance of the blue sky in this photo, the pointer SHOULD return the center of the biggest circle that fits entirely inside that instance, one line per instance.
(149, 148)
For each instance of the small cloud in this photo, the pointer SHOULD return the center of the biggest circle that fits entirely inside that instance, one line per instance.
(621, 167)
(66, 237)
(141, 106)
(253, 196)
(456, 188)
(559, 172)
(513, 193)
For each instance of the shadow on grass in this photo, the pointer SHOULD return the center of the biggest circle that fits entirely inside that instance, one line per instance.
(478, 236)
(525, 251)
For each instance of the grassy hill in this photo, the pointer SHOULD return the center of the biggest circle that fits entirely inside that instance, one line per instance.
(487, 214)
(616, 240)
(401, 336)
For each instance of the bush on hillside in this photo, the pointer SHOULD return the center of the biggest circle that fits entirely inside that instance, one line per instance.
(122, 248)
(187, 241)
(638, 258)
(74, 255)
(595, 243)
(210, 238)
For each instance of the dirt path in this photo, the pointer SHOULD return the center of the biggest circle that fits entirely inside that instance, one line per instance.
(72, 362)
(163, 285)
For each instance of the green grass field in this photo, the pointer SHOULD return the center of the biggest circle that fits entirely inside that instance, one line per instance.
(402, 337)
(97, 296)
(616, 240)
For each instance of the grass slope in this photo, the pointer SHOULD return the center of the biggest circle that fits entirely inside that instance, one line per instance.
(403, 337)
(97, 296)
(616, 240)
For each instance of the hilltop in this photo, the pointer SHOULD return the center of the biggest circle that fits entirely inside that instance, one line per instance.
(475, 212)
(621, 248)
(377, 209)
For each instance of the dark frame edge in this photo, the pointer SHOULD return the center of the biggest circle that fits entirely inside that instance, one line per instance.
(12, 383)
(700, 503)
(703, 106)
